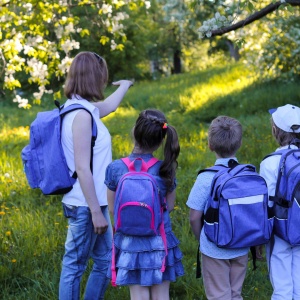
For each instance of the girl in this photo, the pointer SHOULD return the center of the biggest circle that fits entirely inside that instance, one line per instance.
(144, 280)
(85, 206)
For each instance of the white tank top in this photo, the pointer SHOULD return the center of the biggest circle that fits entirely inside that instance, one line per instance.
(101, 155)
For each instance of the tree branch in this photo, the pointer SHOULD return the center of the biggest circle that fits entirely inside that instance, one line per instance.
(254, 17)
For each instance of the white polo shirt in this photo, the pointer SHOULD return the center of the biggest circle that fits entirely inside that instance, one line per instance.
(102, 154)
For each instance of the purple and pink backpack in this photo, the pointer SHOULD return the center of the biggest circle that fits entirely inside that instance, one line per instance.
(139, 206)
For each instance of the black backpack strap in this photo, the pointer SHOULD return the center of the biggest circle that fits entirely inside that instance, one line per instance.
(198, 267)
(253, 253)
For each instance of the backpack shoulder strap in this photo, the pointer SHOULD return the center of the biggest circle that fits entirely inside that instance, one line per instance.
(282, 152)
(144, 167)
(215, 168)
(65, 110)
(285, 153)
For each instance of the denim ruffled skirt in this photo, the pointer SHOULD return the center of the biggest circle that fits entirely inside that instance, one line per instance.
(139, 259)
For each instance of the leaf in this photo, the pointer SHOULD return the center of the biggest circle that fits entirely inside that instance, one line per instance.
(290, 8)
(104, 39)
(120, 47)
(250, 6)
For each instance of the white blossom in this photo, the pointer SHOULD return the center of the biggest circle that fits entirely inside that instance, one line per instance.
(28, 6)
(106, 8)
(22, 103)
(113, 45)
(69, 28)
(59, 32)
(65, 64)
(147, 4)
(38, 70)
(69, 45)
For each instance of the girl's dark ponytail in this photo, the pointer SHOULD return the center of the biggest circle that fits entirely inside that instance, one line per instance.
(171, 152)
(150, 131)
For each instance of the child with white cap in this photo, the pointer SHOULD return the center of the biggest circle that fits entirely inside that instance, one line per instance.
(283, 259)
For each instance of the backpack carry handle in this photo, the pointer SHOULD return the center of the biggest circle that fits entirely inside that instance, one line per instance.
(145, 166)
(239, 168)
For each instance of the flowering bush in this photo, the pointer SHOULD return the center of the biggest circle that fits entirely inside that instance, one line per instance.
(37, 38)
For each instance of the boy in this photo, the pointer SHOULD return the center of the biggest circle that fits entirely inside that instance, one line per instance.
(283, 258)
(223, 269)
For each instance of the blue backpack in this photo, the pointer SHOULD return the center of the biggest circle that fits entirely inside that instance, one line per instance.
(139, 207)
(43, 158)
(287, 196)
(237, 213)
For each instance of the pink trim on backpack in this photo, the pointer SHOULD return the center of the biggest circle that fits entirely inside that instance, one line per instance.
(145, 165)
(164, 238)
(113, 265)
(138, 204)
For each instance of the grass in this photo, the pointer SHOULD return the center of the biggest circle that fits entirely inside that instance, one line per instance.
(33, 228)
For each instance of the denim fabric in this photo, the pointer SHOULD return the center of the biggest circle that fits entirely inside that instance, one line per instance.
(81, 244)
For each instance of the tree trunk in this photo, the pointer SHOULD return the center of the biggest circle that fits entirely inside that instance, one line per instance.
(233, 50)
(177, 62)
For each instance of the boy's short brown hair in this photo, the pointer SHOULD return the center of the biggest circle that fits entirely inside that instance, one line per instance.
(225, 136)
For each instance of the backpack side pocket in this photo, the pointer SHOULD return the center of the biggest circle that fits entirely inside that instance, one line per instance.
(31, 168)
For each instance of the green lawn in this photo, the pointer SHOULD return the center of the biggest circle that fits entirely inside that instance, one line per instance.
(33, 228)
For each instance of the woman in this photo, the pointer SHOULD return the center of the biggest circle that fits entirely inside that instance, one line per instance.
(85, 206)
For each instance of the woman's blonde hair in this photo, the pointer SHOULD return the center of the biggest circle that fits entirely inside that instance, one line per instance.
(87, 77)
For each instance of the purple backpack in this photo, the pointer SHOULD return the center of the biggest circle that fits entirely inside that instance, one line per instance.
(138, 204)
(287, 196)
(139, 207)
(237, 213)
(44, 161)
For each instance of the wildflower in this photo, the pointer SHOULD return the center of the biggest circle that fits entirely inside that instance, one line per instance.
(2, 213)
(14, 260)
(56, 223)
(8, 233)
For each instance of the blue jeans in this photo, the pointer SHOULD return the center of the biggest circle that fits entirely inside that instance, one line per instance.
(81, 244)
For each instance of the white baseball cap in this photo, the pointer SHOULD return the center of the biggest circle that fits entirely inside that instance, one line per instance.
(286, 116)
